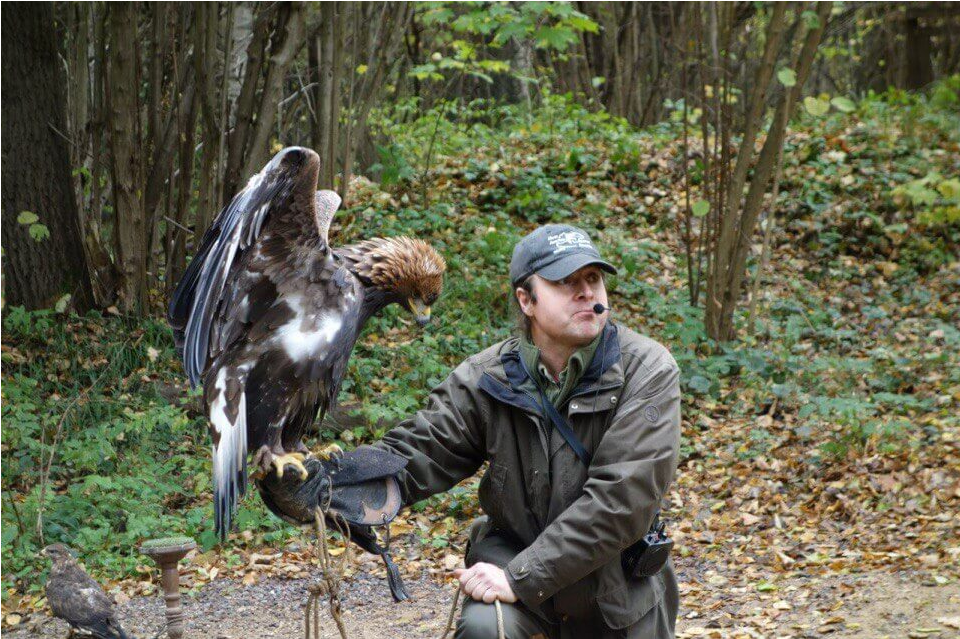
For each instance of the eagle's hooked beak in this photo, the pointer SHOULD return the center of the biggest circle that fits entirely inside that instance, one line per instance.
(420, 310)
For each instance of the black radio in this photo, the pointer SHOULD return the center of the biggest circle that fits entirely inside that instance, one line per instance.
(646, 557)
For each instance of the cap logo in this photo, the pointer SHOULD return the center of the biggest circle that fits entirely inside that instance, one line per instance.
(568, 240)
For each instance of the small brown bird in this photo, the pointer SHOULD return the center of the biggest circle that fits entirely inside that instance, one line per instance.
(79, 600)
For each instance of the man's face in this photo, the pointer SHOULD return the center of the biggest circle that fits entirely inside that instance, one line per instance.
(563, 310)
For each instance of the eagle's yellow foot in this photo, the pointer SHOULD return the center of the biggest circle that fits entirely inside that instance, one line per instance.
(292, 459)
(328, 451)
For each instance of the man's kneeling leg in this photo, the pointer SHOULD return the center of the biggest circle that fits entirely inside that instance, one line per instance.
(478, 620)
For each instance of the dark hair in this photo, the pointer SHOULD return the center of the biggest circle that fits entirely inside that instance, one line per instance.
(523, 322)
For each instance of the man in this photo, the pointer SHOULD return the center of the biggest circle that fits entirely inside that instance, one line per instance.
(559, 510)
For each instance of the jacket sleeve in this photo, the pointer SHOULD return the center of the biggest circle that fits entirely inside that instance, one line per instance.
(631, 470)
(444, 442)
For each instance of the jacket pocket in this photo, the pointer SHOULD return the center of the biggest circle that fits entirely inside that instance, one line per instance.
(626, 604)
(490, 492)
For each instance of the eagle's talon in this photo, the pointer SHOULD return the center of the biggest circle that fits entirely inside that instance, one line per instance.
(291, 459)
(328, 451)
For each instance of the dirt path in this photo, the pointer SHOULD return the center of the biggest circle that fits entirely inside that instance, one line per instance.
(862, 606)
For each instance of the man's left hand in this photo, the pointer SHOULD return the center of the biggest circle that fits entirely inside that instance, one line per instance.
(486, 583)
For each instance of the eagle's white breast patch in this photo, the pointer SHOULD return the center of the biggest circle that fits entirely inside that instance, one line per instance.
(301, 344)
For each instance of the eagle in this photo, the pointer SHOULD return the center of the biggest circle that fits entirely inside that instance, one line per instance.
(267, 314)
(77, 599)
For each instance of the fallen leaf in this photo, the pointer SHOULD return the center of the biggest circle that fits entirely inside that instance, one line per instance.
(451, 561)
(950, 622)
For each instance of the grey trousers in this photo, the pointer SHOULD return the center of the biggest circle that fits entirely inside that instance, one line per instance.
(479, 621)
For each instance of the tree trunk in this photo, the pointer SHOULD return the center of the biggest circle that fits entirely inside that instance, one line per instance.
(384, 49)
(290, 37)
(918, 67)
(131, 236)
(326, 72)
(102, 268)
(204, 65)
(523, 61)
(727, 275)
(313, 80)
(36, 168)
(246, 100)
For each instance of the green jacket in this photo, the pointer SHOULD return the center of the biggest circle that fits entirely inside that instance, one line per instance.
(556, 527)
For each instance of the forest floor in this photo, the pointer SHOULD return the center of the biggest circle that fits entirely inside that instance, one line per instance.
(866, 605)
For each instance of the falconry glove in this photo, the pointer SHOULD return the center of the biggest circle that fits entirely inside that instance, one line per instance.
(358, 488)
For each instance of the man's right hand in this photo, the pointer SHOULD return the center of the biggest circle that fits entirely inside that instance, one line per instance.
(486, 583)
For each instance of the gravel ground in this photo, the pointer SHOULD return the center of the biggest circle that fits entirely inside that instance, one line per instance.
(862, 606)
(227, 609)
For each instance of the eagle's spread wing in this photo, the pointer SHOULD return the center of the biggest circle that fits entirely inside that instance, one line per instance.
(236, 228)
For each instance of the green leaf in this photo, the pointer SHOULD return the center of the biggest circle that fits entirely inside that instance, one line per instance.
(846, 105)
(513, 29)
(483, 76)
(699, 384)
(811, 19)
(38, 232)
(62, 303)
(700, 208)
(581, 22)
(787, 77)
(597, 81)
(27, 217)
(949, 189)
(815, 106)
(765, 586)
(554, 37)
(437, 15)
(496, 66)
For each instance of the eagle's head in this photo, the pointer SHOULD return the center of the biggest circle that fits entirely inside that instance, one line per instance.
(407, 270)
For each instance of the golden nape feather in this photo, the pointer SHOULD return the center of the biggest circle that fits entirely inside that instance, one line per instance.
(406, 265)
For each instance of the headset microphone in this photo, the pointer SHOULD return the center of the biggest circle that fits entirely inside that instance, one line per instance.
(600, 308)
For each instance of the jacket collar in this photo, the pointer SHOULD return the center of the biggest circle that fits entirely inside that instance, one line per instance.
(506, 382)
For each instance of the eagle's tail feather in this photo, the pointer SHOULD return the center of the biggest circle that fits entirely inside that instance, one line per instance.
(229, 462)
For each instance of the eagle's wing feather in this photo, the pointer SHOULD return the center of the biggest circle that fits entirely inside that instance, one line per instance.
(201, 291)
(327, 204)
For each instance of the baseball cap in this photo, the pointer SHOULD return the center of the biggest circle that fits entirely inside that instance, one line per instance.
(553, 252)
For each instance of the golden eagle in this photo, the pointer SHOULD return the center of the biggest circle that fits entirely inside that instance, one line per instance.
(268, 312)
